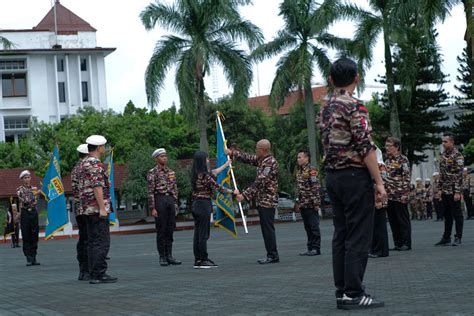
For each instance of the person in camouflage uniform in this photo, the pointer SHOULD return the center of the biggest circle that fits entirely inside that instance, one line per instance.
(380, 236)
(28, 205)
(12, 228)
(397, 184)
(451, 166)
(204, 185)
(351, 164)
(419, 199)
(264, 190)
(437, 203)
(163, 203)
(428, 199)
(471, 192)
(96, 206)
(308, 202)
(466, 191)
(81, 220)
(412, 202)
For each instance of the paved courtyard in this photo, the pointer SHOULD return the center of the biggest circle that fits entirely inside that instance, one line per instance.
(425, 281)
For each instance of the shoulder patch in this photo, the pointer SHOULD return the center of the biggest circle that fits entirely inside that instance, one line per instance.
(267, 170)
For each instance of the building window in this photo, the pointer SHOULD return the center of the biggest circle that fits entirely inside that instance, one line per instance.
(13, 64)
(61, 92)
(16, 123)
(83, 64)
(60, 65)
(85, 91)
(14, 85)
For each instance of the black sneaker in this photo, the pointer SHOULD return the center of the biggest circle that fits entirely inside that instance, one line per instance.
(268, 260)
(405, 248)
(203, 264)
(103, 279)
(209, 263)
(361, 302)
(84, 276)
(457, 242)
(310, 253)
(444, 242)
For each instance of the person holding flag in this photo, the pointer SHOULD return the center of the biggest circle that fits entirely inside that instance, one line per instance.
(265, 190)
(204, 184)
(28, 202)
(81, 220)
(96, 205)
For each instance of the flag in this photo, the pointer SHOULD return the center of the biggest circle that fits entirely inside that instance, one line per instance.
(53, 191)
(110, 172)
(225, 216)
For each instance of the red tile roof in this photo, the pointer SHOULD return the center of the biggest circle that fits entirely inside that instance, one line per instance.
(9, 180)
(262, 102)
(67, 21)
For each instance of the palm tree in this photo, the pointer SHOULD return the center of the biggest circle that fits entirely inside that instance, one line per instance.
(206, 33)
(5, 43)
(305, 41)
(386, 17)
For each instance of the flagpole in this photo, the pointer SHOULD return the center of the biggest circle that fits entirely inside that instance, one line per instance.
(244, 221)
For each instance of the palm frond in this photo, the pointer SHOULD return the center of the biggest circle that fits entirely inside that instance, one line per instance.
(5, 43)
(166, 52)
(283, 41)
(236, 65)
(167, 16)
(242, 30)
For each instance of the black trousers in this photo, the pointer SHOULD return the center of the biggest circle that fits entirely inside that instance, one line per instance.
(201, 210)
(29, 232)
(267, 218)
(98, 235)
(468, 202)
(439, 208)
(452, 210)
(380, 235)
(352, 195)
(165, 224)
(16, 234)
(429, 209)
(311, 226)
(399, 220)
(82, 243)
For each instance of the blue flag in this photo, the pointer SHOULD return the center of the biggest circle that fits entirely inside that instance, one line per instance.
(110, 171)
(53, 191)
(225, 216)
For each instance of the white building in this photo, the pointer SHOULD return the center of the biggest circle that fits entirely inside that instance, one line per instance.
(53, 70)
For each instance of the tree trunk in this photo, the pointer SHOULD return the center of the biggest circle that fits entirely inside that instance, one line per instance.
(392, 100)
(469, 35)
(202, 118)
(313, 135)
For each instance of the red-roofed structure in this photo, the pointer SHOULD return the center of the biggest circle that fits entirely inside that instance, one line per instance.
(67, 22)
(263, 102)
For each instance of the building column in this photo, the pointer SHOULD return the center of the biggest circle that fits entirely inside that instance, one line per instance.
(68, 87)
(56, 89)
(2, 129)
(79, 80)
(91, 84)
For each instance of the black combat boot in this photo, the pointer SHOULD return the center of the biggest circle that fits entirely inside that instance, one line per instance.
(34, 262)
(169, 256)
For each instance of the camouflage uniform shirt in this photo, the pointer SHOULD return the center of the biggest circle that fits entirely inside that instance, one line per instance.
(451, 167)
(93, 175)
(265, 187)
(345, 132)
(26, 197)
(307, 187)
(428, 193)
(397, 183)
(205, 186)
(384, 174)
(436, 190)
(76, 182)
(161, 180)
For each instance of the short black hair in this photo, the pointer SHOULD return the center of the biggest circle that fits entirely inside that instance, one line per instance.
(81, 155)
(343, 72)
(92, 148)
(449, 135)
(306, 152)
(394, 141)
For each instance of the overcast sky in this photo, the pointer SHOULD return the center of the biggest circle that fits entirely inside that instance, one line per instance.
(118, 26)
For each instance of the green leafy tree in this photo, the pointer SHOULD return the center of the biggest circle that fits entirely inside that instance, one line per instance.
(386, 18)
(464, 126)
(304, 40)
(205, 34)
(5, 43)
(469, 152)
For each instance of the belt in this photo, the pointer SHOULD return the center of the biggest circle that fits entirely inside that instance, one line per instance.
(164, 194)
(28, 209)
